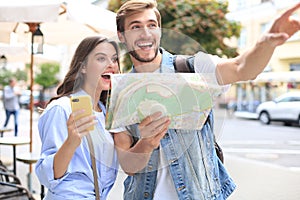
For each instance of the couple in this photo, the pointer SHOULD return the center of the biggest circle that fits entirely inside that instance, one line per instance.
(65, 166)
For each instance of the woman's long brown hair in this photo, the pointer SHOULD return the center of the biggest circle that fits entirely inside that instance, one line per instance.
(74, 79)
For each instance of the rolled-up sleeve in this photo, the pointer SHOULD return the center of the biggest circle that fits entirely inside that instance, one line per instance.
(53, 132)
(206, 64)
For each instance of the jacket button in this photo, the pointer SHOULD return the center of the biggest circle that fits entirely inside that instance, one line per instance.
(146, 194)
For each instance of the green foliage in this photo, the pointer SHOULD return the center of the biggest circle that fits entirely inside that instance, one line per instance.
(114, 5)
(202, 21)
(47, 75)
(5, 75)
(21, 75)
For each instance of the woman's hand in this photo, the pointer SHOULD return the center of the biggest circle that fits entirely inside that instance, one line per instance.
(79, 128)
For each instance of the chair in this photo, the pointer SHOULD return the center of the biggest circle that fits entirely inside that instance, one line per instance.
(10, 186)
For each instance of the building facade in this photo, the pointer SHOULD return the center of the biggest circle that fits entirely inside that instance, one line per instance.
(282, 74)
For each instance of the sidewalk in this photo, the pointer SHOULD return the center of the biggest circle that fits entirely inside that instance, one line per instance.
(255, 181)
(245, 114)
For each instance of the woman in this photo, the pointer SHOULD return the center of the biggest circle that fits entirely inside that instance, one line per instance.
(65, 165)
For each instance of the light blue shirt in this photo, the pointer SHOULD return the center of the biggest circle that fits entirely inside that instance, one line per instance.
(78, 181)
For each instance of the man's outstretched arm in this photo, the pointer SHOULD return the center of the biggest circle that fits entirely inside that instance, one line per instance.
(249, 64)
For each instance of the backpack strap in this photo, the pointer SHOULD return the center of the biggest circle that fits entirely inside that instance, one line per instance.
(183, 64)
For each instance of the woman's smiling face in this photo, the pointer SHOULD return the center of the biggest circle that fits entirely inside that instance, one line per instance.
(101, 62)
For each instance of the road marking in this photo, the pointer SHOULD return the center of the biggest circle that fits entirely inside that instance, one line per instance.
(259, 142)
(248, 142)
(260, 150)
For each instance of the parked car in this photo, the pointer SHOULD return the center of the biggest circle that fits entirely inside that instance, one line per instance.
(285, 108)
(24, 99)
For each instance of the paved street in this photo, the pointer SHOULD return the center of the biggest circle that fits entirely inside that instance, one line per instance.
(255, 180)
(263, 160)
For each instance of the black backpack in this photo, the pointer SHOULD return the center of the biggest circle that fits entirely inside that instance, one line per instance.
(184, 64)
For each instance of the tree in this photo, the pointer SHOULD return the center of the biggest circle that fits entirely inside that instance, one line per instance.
(5, 75)
(202, 21)
(193, 25)
(21, 75)
(47, 77)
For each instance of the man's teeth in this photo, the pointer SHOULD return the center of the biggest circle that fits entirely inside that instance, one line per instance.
(145, 44)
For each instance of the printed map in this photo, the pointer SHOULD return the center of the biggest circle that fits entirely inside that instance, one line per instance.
(185, 97)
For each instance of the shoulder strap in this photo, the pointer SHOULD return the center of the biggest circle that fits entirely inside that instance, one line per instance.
(92, 153)
(183, 64)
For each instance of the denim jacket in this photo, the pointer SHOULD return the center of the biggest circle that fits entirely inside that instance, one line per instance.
(196, 171)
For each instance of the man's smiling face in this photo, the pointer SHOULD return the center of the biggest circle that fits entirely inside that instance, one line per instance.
(142, 35)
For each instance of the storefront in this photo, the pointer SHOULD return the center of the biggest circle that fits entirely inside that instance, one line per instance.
(265, 87)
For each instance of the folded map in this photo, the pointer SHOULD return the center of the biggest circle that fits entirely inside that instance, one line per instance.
(185, 97)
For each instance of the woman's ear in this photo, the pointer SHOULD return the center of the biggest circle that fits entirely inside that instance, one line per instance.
(83, 69)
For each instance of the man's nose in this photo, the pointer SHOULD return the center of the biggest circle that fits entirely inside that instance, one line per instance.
(145, 32)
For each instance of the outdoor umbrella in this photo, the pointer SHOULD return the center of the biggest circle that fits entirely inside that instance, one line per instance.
(65, 22)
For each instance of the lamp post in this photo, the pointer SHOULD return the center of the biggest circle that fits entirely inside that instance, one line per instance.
(37, 42)
(3, 61)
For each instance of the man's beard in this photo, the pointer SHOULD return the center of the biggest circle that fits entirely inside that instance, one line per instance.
(134, 54)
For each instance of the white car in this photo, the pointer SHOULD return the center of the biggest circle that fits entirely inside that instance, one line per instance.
(285, 108)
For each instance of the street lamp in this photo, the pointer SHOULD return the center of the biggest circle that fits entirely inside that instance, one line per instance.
(3, 61)
(37, 41)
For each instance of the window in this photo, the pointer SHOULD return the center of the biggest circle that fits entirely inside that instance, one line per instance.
(295, 67)
(264, 27)
(263, 1)
(243, 38)
(241, 4)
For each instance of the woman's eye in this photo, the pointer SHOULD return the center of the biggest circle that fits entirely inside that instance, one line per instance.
(114, 59)
(102, 59)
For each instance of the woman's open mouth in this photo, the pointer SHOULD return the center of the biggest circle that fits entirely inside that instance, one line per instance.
(106, 76)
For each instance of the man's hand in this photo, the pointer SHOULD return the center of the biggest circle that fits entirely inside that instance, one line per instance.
(284, 27)
(153, 128)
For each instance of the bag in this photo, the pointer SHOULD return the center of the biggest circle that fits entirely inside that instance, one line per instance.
(184, 64)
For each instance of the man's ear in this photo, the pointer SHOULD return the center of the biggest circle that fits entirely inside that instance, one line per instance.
(121, 37)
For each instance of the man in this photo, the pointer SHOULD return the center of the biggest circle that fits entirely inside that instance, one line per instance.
(175, 164)
(11, 103)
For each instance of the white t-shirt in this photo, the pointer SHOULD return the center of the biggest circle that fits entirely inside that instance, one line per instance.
(164, 183)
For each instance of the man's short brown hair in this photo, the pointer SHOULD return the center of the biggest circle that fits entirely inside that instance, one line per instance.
(132, 7)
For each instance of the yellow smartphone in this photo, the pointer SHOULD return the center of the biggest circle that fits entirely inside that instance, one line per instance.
(82, 102)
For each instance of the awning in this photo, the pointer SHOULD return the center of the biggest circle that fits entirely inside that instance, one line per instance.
(29, 10)
(290, 76)
(61, 23)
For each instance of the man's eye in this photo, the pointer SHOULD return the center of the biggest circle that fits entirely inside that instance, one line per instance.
(135, 27)
(152, 26)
